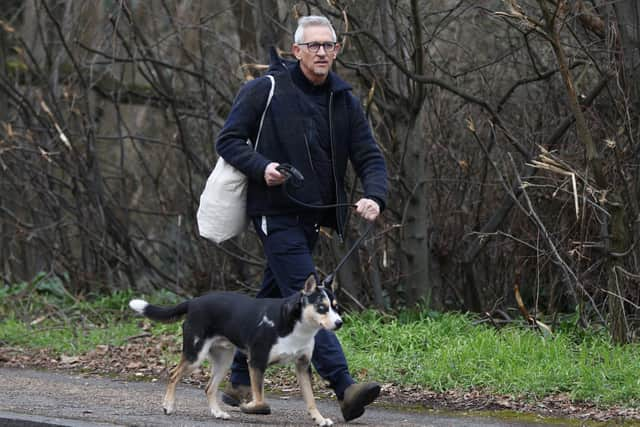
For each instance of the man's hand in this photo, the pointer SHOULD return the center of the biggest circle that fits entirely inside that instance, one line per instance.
(271, 176)
(368, 209)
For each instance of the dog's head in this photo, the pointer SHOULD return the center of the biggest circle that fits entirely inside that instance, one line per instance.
(319, 305)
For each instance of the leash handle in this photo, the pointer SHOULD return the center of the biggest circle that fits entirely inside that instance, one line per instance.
(289, 171)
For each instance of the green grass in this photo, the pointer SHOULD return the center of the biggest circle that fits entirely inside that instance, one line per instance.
(65, 339)
(435, 351)
(48, 317)
(450, 352)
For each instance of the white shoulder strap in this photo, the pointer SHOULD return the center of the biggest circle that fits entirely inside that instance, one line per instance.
(273, 88)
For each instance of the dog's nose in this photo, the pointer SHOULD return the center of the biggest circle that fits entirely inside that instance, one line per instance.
(338, 324)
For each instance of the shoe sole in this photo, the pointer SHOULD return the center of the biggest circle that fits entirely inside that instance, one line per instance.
(363, 400)
(263, 410)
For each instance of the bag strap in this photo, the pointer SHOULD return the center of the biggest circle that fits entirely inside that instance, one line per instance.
(273, 88)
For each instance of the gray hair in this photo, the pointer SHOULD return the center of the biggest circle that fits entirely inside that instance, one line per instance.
(311, 21)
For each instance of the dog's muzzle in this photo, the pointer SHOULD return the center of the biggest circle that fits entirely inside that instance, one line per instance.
(334, 322)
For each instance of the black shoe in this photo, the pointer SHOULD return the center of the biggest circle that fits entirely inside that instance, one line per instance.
(356, 397)
(236, 395)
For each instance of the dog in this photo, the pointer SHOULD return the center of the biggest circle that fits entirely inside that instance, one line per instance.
(267, 330)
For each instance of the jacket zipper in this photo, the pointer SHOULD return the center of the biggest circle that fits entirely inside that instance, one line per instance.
(333, 167)
(306, 144)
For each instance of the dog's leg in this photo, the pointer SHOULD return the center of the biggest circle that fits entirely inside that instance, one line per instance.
(182, 369)
(304, 379)
(257, 405)
(221, 359)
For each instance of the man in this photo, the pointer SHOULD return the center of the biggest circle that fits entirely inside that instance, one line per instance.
(315, 124)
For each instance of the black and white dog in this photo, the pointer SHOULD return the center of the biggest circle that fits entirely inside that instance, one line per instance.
(268, 331)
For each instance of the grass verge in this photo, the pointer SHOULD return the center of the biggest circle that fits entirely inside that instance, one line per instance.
(450, 351)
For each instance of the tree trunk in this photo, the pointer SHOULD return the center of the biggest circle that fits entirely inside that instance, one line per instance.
(614, 235)
(418, 261)
(269, 34)
(628, 17)
(4, 118)
(245, 22)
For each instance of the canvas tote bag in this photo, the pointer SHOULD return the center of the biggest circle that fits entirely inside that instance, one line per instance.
(222, 212)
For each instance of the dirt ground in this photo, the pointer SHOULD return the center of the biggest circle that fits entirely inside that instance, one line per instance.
(144, 358)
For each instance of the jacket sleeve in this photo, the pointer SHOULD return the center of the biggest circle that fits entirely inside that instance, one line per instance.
(241, 125)
(366, 157)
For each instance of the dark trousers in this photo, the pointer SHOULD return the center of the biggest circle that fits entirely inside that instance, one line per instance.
(288, 242)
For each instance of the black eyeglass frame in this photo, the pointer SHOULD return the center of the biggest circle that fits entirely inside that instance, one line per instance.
(317, 46)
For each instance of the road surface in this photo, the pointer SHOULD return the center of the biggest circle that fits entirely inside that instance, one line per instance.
(43, 398)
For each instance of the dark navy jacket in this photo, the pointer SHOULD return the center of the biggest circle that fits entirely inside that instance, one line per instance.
(287, 135)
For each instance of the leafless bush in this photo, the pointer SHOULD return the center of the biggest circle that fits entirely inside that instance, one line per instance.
(109, 118)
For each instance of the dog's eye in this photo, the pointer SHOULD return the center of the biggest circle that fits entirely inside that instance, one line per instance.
(322, 309)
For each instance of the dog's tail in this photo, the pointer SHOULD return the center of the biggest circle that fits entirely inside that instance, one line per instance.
(162, 314)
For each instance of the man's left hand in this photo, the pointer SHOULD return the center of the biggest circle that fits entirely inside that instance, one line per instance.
(368, 209)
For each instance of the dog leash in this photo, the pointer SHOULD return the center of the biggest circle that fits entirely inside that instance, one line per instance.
(328, 281)
(294, 177)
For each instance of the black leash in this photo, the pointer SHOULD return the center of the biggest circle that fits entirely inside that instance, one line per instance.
(328, 281)
(295, 178)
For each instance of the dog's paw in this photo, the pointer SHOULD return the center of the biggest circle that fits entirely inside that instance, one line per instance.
(324, 422)
(218, 413)
(168, 408)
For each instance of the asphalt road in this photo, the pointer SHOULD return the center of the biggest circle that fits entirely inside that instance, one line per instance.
(42, 398)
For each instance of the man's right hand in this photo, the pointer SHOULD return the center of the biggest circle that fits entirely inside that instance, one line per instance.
(272, 177)
(368, 209)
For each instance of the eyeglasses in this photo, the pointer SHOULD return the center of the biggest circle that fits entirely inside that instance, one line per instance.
(315, 46)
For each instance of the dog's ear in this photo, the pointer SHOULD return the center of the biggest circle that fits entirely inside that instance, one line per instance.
(334, 287)
(310, 285)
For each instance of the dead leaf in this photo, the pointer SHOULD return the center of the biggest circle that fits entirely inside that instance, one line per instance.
(69, 360)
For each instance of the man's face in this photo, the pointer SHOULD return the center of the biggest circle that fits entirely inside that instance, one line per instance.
(315, 65)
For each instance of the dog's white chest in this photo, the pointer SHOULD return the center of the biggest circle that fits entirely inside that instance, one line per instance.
(291, 347)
